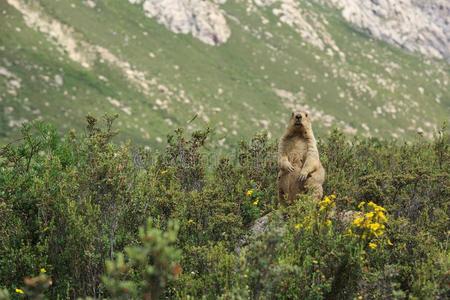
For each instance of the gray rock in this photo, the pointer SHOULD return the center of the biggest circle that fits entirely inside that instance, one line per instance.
(258, 228)
(415, 25)
(203, 19)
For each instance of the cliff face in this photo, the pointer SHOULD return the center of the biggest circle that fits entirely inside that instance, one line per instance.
(416, 25)
(203, 19)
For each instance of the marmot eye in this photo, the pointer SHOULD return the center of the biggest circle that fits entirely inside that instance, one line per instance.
(306, 114)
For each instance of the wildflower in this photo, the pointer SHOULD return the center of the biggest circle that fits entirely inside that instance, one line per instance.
(360, 205)
(19, 291)
(328, 222)
(374, 226)
(190, 221)
(249, 192)
(389, 243)
(333, 196)
(358, 221)
(373, 245)
(375, 207)
(370, 215)
(298, 226)
(256, 202)
(326, 202)
(382, 217)
(43, 270)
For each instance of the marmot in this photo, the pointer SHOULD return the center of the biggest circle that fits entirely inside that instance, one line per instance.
(298, 161)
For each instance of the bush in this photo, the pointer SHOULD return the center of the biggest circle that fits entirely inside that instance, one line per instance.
(149, 267)
(71, 204)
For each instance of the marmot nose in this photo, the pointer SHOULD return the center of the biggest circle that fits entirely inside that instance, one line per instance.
(298, 117)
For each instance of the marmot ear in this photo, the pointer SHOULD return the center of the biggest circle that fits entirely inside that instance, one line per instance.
(292, 114)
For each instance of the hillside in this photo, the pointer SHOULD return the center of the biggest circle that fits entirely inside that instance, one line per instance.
(239, 66)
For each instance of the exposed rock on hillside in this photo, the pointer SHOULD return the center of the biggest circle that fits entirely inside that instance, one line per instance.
(416, 25)
(311, 27)
(203, 19)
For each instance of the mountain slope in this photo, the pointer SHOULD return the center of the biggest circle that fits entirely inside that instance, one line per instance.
(61, 60)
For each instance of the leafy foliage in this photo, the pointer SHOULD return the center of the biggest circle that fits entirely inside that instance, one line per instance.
(155, 261)
(72, 206)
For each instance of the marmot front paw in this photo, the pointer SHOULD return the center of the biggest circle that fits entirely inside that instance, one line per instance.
(303, 176)
(290, 168)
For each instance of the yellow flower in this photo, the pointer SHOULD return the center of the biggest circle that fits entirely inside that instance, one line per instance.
(373, 245)
(19, 291)
(164, 172)
(358, 221)
(360, 205)
(249, 192)
(298, 226)
(374, 226)
(375, 207)
(190, 221)
(256, 202)
(333, 196)
(370, 215)
(382, 217)
(43, 270)
(389, 243)
(325, 203)
(328, 222)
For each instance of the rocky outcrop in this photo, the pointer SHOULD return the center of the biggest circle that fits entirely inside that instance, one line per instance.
(259, 227)
(203, 19)
(310, 26)
(415, 25)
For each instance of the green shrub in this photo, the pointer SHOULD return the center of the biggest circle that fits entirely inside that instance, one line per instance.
(149, 266)
(71, 203)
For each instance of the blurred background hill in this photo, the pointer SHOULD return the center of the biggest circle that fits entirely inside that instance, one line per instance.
(372, 68)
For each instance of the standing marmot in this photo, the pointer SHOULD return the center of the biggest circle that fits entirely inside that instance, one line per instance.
(298, 160)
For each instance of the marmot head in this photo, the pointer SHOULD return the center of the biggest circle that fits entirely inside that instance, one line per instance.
(299, 122)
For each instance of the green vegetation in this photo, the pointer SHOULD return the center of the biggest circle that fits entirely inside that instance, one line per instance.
(71, 207)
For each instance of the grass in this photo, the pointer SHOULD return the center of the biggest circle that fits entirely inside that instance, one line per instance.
(184, 64)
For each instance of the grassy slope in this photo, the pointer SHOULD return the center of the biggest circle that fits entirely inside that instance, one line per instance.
(184, 64)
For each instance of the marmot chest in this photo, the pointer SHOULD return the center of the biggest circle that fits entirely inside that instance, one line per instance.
(297, 152)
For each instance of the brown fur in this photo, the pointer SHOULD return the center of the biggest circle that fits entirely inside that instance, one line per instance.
(298, 161)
